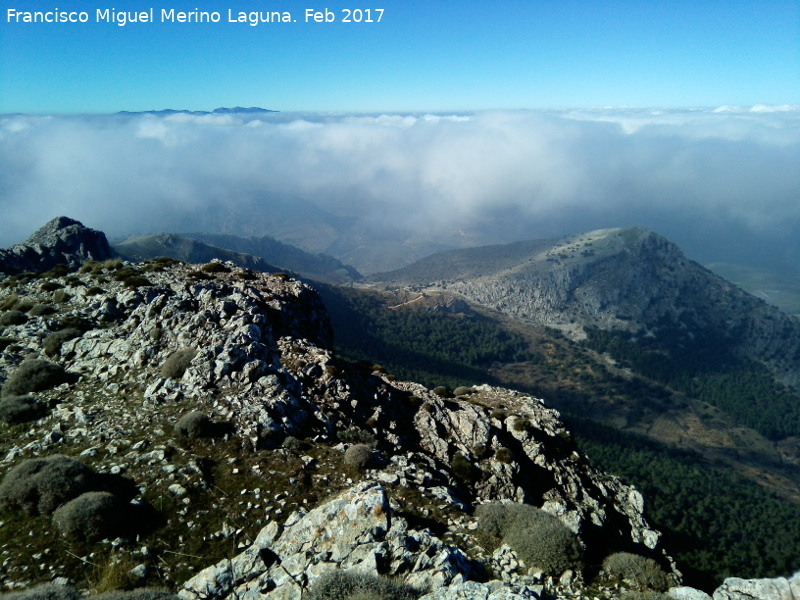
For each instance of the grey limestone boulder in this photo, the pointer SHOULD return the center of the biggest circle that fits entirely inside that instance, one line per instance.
(779, 588)
(357, 530)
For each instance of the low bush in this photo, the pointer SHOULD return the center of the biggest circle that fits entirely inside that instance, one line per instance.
(8, 302)
(5, 342)
(42, 310)
(635, 570)
(354, 435)
(463, 468)
(54, 341)
(75, 322)
(356, 585)
(296, 445)
(38, 486)
(195, 424)
(215, 267)
(23, 305)
(538, 538)
(50, 286)
(177, 363)
(443, 391)
(13, 317)
(91, 516)
(45, 591)
(504, 455)
(358, 456)
(34, 375)
(462, 391)
(19, 409)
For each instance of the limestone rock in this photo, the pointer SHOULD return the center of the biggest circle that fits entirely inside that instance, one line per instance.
(779, 588)
(62, 241)
(687, 593)
(356, 530)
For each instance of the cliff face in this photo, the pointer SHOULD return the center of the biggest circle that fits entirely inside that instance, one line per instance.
(62, 241)
(629, 279)
(281, 411)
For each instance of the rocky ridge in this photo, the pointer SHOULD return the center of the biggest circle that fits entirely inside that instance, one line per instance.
(61, 241)
(263, 492)
(261, 366)
(625, 279)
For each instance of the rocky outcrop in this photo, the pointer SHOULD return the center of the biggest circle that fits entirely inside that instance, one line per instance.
(252, 353)
(62, 241)
(779, 588)
(358, 530)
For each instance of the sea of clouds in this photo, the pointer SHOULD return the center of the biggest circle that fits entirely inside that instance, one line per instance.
(718, 180)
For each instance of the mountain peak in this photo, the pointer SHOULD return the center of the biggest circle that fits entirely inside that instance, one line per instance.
(61, 241)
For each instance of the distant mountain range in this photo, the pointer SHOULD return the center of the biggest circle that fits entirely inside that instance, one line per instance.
(250, 253)
(253, 110)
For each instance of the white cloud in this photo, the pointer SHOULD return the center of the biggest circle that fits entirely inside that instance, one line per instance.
(526, 173)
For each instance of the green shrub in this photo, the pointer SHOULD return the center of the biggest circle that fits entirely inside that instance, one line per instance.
(177, 363)
(215, 267)
(542, 541)
(58, 270)
(75, 322)
(42, 310)
(463, 468)
(23, 305)
(491, 524)
(94, 291)
(19, 409)
(34, 375)
(13, 317)
(54, 341)
(45, 591)
(5, 342)
(40, 485)
(499, 414)
(637, 571)
(195, 424)
(504, 455)
(50, 286)
(8, 302)
(462, 391)
(91, 516)
(356, 585)
(354, 435)
(358, 456)
(136, 281)
(538, 538)
(443, 391)
(296, 445)
(60, 296)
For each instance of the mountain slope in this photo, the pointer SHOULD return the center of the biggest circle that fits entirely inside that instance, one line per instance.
(212, 407)
(182, 248)
(615, 279)
(318, 267)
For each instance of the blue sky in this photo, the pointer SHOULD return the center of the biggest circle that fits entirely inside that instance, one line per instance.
(422, 56)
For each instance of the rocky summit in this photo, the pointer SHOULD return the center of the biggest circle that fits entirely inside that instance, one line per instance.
(189, 428)
(62, 241)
